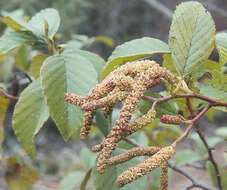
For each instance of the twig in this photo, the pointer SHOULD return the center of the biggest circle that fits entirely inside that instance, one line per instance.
(194, 95)
(211, 157)
(209, 149)
(161, 7)
(6, 95)
(195, 183)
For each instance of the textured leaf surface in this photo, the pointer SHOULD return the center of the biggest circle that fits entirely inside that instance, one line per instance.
(134, 50)
(29, 116)
(66, 73)
(4, 105)
(107, 180)
(96, 60)
(11, 40)
(52, 17)
(221, 44)
(191, 36)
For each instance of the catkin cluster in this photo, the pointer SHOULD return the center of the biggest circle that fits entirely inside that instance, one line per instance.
(126, 84)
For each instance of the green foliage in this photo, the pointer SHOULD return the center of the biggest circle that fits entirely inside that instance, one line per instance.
(134, 50)
(106, 181)
(30, 114)
(191, 36)
(221, 44)
(65, 73)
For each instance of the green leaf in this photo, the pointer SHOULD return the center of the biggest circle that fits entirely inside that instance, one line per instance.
(66, 73)
(11, 40)
(186, 157)
(191, 36)
(88, 157)
(223, 174)
(102, 123)
(20, 176)
(221, 44)
(36, 24)
(96, 60)
(107, 180)
(36, 63)
(216, 87)
(29, 116)
(134, 50)
(3, 108)
(22, 57)
(161, 109)
(72, 180)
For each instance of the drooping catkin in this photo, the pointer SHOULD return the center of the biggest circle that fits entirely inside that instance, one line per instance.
(144, 168)
(137, 151)
(164, 177)
(86, 124)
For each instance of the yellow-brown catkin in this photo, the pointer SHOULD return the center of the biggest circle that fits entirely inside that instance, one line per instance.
(74, 99)
(174, 119)
(121, 124)
(144, 168)
(137, 151)
(87, 121)
(164, 177)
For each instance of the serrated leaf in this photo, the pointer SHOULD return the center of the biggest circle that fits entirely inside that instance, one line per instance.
(30, 114)
(4, 105)
(66, 73)
(72, 180)
(20, 176)
(11, 40)
(107, 180)
(186, 157)
(191, 36)
(221, 44)
(134, 50)
(36, 64)
(223, 174)
(96, 60)
(36, 23)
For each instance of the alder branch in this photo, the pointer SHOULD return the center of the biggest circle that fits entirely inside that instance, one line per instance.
(6, 95)
(209, 149)
(195, 183)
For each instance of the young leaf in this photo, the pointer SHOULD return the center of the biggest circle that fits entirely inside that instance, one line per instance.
(134, 50)
(29, 116)
(11, 40)
(4, 105)
(68, 72)
(191, 36)
(221, 44)
(36, 24)
(107, 180)
(22, 57)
